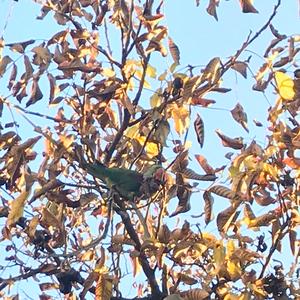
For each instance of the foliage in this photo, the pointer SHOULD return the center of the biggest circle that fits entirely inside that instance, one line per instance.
(79, 232)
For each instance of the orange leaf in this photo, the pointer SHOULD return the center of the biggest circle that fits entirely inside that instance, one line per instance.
(208, 169)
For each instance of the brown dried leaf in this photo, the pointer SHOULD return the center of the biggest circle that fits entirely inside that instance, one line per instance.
(88, 283)
(42, 55)
(181, 161)
(191, 174)
(199, 128)
(264, 200)
(186, 279)
(53, 87)
(184, 207)
(164, 234)
(36, 93)
(240, 67)
(282, 61)
(276, 33)
(195, 294)
(240, 116)
(12, 77)
(5, 60)
(184, 194)
(291, 48)
(263, 220)
(28, 69)
(293, 240)
(208, 204)
(248, 212)
(212, 8)
(223, 192)
(48, 269)
(58, 37)
(48, 286)
(46, 187)
(48, 219)
(226, 217)
(20, 47)
(174, 50)
(257, 123)
(234, 143)
(208, 169)
(247, 6)
(173, 297)
(201, 101)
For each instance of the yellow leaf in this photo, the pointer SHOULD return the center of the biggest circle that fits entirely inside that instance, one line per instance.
(33, 223)
(17, 208)
(234, 270)
(257, 288)
(231, 296)
(155, 99)
(107, 72)
(285, 85)
(88, 255)
(151, 71)
(245, 296)
(163, 76)
(150, 148)
(230, 248)
(132, 132)
(67, 141)
(271, 150)
(219, 254)
(271, 170)
(181, 117)
(104, 287)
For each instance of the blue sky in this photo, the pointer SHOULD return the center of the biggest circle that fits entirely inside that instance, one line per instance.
(199, 38)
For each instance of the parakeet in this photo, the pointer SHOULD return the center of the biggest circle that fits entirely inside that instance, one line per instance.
(126, 182)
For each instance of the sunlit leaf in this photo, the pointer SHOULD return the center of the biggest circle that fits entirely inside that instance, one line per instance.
(181, 117)
(104, 287)
(285, 85)
(17, 208)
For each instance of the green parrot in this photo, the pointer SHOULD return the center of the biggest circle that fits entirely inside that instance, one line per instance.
(128, 183)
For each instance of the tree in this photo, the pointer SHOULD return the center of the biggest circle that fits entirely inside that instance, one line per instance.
(77, 230)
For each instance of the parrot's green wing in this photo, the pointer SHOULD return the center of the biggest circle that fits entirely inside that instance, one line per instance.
(126, 182)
